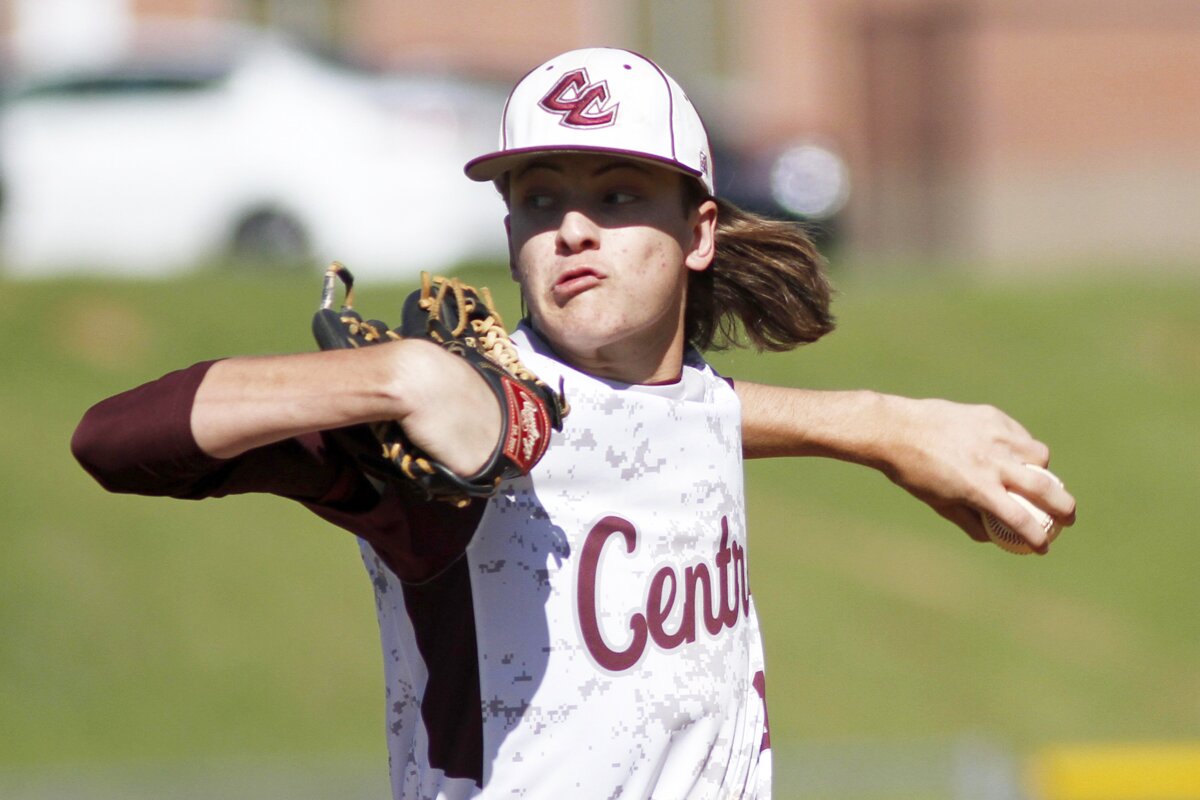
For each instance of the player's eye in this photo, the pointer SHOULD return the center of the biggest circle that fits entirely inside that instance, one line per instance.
(619, 198)
(539, 201)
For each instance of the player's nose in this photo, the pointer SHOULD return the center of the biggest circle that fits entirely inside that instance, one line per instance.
(577, 232)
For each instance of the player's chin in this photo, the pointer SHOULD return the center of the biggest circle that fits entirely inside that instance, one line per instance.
(584, 314)
(577, 329)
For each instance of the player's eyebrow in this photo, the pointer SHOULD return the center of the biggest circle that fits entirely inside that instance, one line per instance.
(609, 165)
(534, 165)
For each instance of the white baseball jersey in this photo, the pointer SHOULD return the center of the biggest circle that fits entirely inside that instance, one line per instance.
(596, 638)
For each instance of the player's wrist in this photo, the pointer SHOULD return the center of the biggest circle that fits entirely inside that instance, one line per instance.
(898, 441)
(412, 372)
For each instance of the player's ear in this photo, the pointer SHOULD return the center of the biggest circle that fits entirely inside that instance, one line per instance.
(702, 248)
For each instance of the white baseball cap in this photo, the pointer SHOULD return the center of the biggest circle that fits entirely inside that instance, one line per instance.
(600, 100)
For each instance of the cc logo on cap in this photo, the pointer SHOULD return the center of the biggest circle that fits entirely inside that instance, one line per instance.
(580, 102)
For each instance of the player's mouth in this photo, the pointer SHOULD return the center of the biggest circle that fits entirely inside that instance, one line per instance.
(575, 282)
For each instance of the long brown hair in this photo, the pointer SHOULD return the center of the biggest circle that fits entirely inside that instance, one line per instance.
(767, 280)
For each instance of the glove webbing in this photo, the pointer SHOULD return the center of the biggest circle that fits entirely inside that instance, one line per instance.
(493, 336)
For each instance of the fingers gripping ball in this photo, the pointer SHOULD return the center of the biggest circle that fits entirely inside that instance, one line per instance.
(462, 321)
(1008, 539)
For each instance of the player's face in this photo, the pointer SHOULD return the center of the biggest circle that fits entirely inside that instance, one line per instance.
(602, 248)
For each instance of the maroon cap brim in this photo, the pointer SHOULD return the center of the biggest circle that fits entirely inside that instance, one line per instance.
(493, 165)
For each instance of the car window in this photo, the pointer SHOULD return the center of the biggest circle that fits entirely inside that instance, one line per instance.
(116, 85)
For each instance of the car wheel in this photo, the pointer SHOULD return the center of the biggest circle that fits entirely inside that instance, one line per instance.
(270, 239)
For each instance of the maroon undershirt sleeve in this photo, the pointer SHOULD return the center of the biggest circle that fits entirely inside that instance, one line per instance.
(141, 442)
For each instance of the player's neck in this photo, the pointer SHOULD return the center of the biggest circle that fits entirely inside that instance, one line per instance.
(637, 361)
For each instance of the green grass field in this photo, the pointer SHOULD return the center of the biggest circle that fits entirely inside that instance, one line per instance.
(148, 630)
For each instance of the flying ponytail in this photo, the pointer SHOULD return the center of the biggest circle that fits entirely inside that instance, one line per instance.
(767, 279)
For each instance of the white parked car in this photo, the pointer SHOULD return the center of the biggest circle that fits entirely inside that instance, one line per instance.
(254, 148)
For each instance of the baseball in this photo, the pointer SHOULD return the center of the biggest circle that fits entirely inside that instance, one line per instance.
(1008, 539)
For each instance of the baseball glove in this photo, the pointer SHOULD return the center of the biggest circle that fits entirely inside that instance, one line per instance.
(462, 321)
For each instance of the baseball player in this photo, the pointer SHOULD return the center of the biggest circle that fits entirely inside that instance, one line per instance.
(589, 630)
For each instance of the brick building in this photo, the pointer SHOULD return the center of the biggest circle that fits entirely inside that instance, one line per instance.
(1049, 133)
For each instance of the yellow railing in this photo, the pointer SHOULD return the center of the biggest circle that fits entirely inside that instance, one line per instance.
(1168, 771)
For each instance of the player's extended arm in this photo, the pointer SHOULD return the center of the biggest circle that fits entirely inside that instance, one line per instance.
(443, 405)
(959, 459)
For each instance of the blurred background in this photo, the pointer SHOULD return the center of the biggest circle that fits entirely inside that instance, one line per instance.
(1007, 192)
